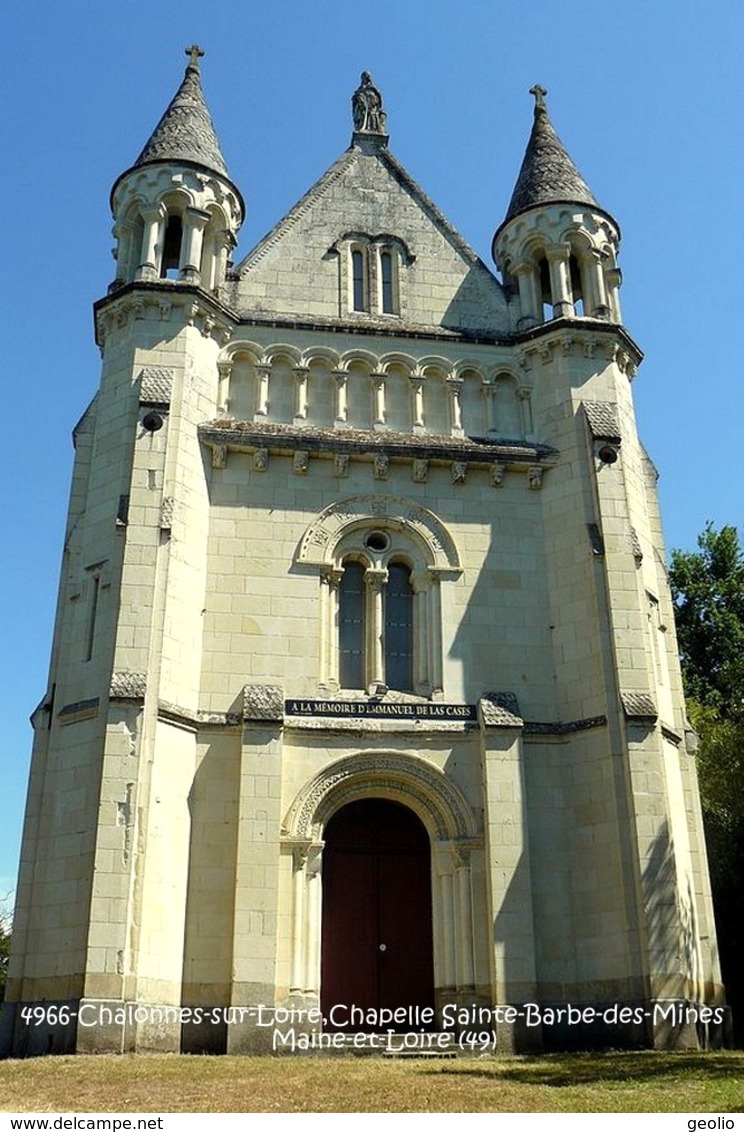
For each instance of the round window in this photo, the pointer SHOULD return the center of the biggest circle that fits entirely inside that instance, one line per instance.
(377, 541)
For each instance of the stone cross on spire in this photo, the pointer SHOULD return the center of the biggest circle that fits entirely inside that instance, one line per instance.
(539, 93)
(196, 53)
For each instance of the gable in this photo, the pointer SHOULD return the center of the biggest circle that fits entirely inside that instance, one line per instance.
(366, 245)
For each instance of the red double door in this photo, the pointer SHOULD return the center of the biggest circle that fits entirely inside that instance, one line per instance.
(377, 926)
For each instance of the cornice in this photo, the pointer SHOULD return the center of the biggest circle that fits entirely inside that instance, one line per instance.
(376, 447)
(152, 300)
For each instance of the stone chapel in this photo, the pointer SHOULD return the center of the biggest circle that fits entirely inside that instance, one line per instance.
(364, 692)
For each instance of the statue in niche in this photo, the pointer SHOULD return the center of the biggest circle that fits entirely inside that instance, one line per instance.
(366, 107)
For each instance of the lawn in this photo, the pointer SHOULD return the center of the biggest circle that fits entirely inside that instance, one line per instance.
(612, 1082)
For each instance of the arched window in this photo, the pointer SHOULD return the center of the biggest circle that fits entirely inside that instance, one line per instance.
(359, 290)
(398, 628)
(577, 289)
(371, 273)
(380, 598)
(352, 626)
(376, 624)
(546, 293)
(171, 257)
(387, 283)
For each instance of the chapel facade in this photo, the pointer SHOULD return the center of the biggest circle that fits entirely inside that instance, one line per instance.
(364, 687)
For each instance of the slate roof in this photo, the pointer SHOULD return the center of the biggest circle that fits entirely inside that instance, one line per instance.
(548, 173)
(186, 132)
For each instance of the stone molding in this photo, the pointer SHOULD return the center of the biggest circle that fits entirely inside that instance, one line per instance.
(500, 709)
(639, 705)
(318, 544)
(386, 774)
(78, 711)
(156, 386)
(263, 702)
(128, 685)
(163, 301)
(535, 727)
(602, 419)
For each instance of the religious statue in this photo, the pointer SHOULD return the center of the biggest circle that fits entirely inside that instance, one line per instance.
(366, 106)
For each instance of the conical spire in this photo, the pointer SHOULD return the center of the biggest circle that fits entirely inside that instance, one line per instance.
(548, 174)
(185, 132)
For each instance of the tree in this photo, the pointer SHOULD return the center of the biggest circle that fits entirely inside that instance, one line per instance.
(708, 592)
(5, 934)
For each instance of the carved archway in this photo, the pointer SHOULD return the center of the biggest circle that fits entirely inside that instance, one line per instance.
(453, 833)
(317, 546)
(382, 774)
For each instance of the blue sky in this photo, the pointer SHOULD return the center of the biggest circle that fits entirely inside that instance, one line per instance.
(647, 98)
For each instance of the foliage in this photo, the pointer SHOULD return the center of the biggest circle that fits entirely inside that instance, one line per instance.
(708, 591)
(5, 934)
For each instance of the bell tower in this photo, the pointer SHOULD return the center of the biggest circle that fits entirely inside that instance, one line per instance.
(611, 620)
(556, 245)
(94, 924)
(363, 605)
(176, 211)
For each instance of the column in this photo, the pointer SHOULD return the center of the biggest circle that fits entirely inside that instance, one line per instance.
(375, 579)
(152, 239)
(125, 251)
(614, 278)
(377, 381)
(594, 270)
(417, 401)
(558, 256)
(434, 631)
(263, 369)
(224, 369)
(341, 378)
(314, 904)
(300, 373)
(420, 586)
(487, 389)
(529, 299)
(524, 393)
(194, 223)
(329, 583)
(465, 976)
(446, 883)
(454, 388)
(296, 975)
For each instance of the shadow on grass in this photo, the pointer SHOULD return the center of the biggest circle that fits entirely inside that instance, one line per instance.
(560, 1071)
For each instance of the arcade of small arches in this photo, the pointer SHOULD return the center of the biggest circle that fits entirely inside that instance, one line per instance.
(360, 390)
(174, 227)
(563, 266)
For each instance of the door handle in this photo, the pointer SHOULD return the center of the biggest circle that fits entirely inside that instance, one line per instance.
(382, 947)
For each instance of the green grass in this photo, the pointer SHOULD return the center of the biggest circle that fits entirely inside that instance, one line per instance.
(612, 1082)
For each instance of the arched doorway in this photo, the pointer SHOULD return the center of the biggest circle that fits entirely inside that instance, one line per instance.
(377, 922)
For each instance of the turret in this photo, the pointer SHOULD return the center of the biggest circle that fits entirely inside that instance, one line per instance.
(176, 211)
(556, 245)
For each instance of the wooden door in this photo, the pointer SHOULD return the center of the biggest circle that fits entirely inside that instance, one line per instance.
(377, 929)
